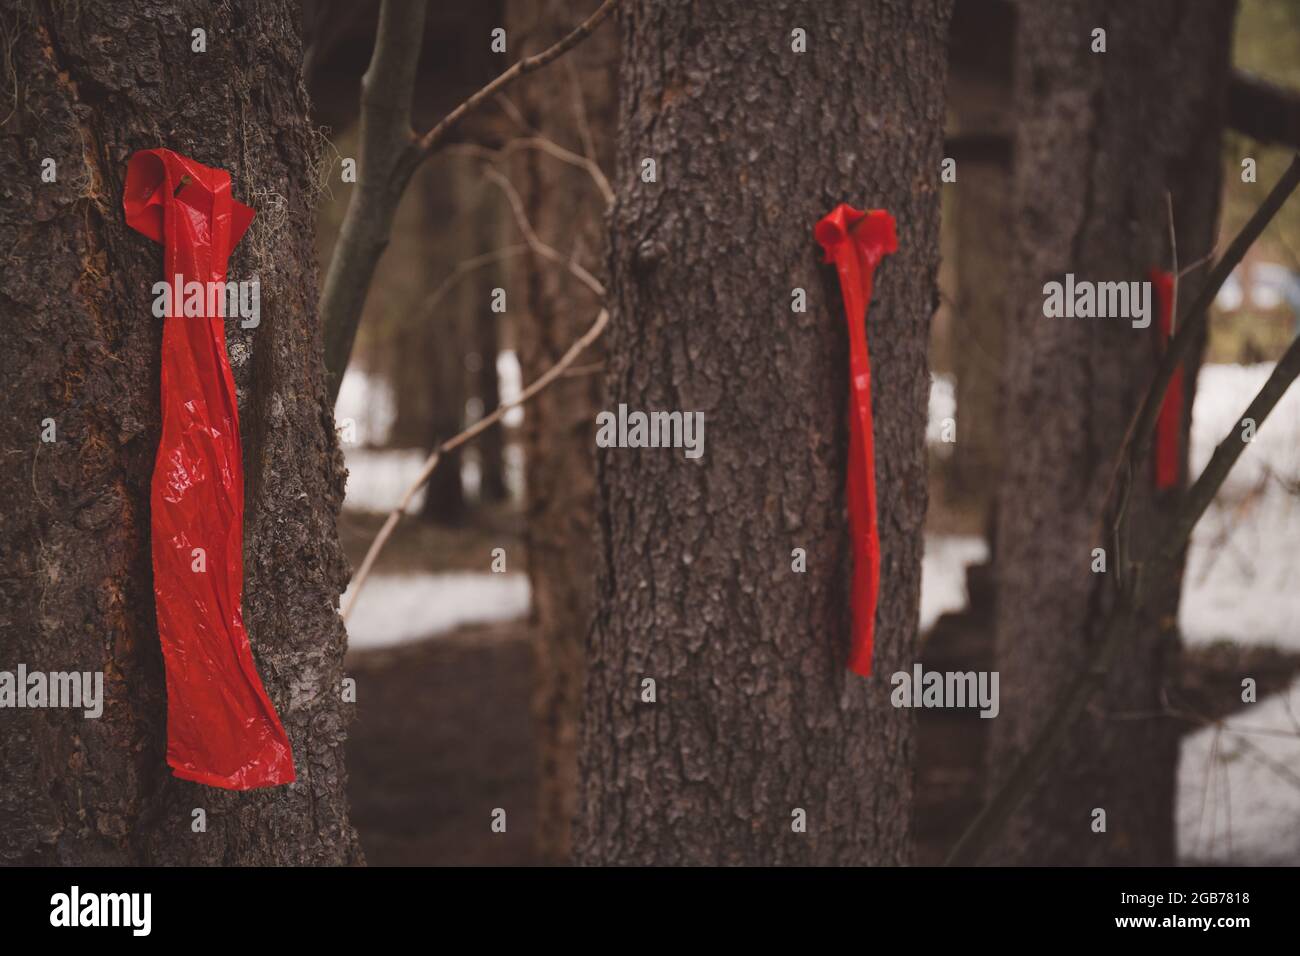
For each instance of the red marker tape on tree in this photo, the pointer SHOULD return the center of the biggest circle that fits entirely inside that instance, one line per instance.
(856, 242)
(222, 729)
(1169, 424)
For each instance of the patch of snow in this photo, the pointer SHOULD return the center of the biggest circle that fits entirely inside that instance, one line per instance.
(943, 573)
(367, 400)
(1242, 581)
(377, 478)
(943, 404)
(1222, 394)
(397, 608)
(1239, 787)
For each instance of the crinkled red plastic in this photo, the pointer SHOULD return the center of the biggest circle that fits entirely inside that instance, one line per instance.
(856, 242)
(222, 729)
(1169, 424)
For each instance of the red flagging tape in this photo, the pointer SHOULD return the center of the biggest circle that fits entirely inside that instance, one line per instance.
(1169, 424)
(856, 242)
(222, 729)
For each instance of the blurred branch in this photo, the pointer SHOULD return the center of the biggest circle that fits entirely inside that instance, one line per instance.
(1263, 110)
(558, 370)
(551, 148)
(537, 245)
(1137, 439)
(555, 371)
(390, 152)
(432, 139)
(464, 268)
(1161, 566)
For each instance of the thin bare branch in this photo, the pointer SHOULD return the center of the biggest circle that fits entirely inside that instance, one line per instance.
(1137, 437)
(1126, 615)
(432, 139)
(390, 153)
(464, 268)
(580, 111)
(551, 148)
(1194, 317)
(538, 246)
(1122, 621)
(554, 372)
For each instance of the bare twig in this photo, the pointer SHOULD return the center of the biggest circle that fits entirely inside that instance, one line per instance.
(1137, 437)
(538, 246)
(1121, 622)
(432, 139)
(394, 516)
(1194, 317)
(550, 147)
(580, 111)
(1125, 616)
(464, 268)
(390, 153)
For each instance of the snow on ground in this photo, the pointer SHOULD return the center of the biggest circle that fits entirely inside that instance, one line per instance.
(378, 476)
(1239, 787)
(1242, 581)
(366, 401)
(394, 609)
(943, 573)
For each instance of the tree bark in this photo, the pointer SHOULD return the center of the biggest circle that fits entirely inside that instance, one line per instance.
(1101, 138)
(82, 348)
(567, 211)
(756, 715)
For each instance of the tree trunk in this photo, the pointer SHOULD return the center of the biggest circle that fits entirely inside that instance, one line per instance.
(756, 716)
(447, 336)
(1101, 137)
(83, 349)
(568, 211)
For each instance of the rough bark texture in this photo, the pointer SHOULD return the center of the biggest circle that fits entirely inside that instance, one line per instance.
(1101, 138)
(756, 713)
(568, 211)
(94, 84)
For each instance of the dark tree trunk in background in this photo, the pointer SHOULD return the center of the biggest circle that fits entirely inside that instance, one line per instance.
(82, 348)
(490, 222)
(979, 139)
(447, 336)
(492, 484)
(756, 713)
(568, 211)
(1101, 138)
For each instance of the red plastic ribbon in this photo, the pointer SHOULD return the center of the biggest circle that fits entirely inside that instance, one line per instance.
(222, 729)
(856, 242)
(1169, 424)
